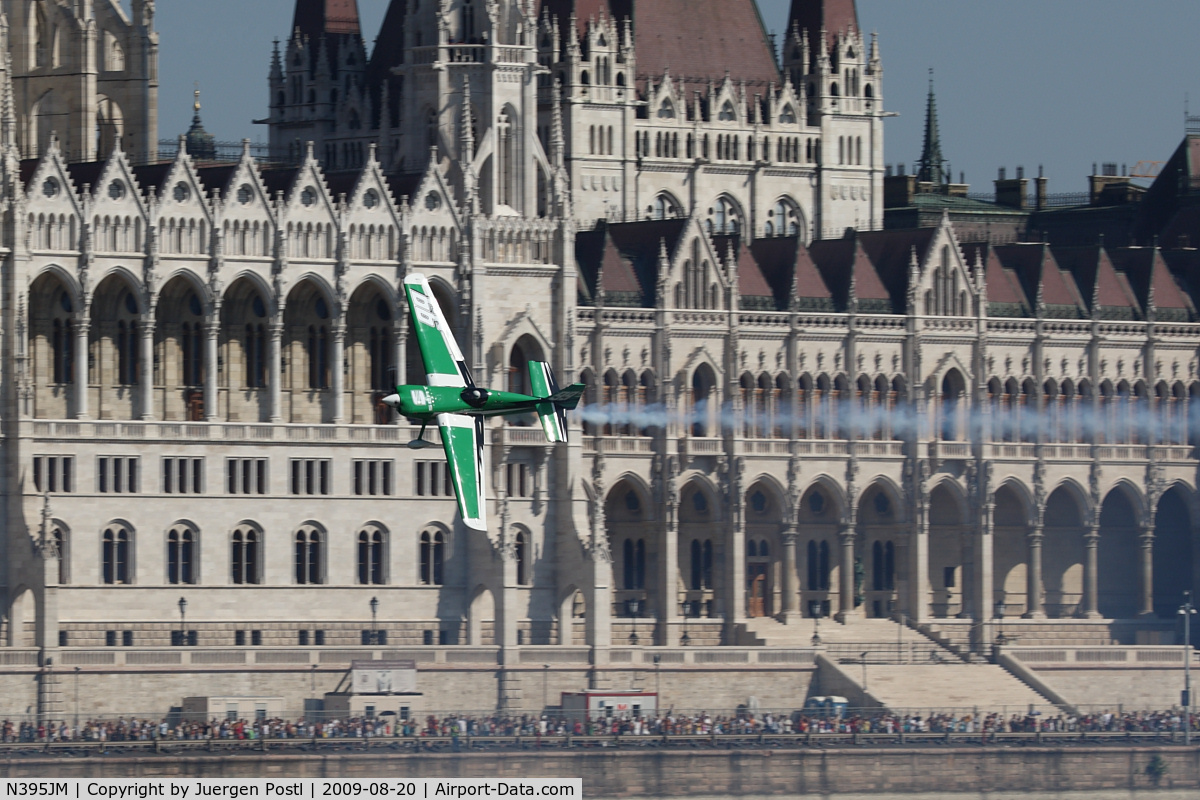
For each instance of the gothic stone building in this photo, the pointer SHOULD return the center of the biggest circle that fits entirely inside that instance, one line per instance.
(781, 421)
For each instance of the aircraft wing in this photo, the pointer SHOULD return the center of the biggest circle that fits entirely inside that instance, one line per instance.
(444, 362)
(462, 436)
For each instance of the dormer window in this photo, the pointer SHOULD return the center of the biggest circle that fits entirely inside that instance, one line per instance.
(666, 110)
(788, 117)
(727, 114)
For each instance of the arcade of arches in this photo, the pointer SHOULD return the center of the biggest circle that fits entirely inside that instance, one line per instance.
(692, 562)
(190, 358)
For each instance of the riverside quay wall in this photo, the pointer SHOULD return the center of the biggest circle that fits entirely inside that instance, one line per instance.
(1100, 771)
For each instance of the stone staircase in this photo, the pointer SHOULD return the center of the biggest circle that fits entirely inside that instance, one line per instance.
(883, 640)
(906, 668)
(946, 687)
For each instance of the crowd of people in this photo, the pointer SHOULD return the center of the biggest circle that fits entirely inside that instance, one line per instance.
(457, 726)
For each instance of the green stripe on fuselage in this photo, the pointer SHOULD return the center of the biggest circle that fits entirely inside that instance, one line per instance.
(424, 402)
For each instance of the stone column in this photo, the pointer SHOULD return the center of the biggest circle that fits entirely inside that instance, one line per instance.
(146, 355)
(984, 568)
(791, 583)
(82, 326)
(1033, 589)
(735, 594)
(338, 365)
(599, 610)
(1146, 572)
(846, 573)
(275, 369)
(212, 327)
(400, 338)
(668, 566)
(1091, 581)
(918, 572)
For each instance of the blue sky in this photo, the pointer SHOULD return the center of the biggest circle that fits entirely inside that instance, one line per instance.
(1063, 83)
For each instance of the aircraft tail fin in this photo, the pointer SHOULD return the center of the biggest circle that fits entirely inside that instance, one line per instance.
(551, 412)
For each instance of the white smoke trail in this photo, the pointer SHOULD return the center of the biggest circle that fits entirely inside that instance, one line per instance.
(1123, 420)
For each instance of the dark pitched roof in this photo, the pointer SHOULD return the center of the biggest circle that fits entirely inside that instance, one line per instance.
(216, 177)
(1004, 293)
(755, 291)
(151, 176)
(1146, 268)
(584, 11)
(838, 260)
(702, 40)
(279, 179)
(785, 262)
(1036, 267)
(891, 254)
(316, 17)
(86, 172)
(404, 184)
(342, 182)
(835, 16)
(1103, 289)
(28, 167)
(636, 246)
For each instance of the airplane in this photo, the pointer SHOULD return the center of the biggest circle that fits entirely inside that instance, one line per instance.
(459, 406)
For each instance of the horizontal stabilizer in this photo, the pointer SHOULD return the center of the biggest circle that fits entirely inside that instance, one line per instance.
(567, 398)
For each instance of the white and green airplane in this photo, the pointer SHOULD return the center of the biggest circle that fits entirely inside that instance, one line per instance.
(459, 406)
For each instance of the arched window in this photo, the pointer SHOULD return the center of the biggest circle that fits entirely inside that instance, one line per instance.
(727, 113)
(59, 538)
(308, 556)
(788, 116)
(318, 357)
(505, 166)
(433, 554)
(381, 361)
(707, 576)
(666, 207)
(814, 567)
(244, 561)
(192, 342)
(724, 216)
(181, 556)
(666, 110)
(697, 565)
(370, 556)
(889, 566)
(628, 564)
(63, 350)
(256, 366)
(823, 567)
(127, 353)
(115, 555)
(783, 219)
(522, 553)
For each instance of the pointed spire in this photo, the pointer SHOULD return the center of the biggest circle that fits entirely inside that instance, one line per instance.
(8, 118)
(557, 139)
(932, 164)
(466, 132)
(276, 63)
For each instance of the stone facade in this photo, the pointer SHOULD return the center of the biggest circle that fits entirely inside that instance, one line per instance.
(878, 423)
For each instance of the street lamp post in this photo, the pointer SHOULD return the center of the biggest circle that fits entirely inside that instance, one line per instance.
(545, 691)
(1187, 610)
(77, 701)
(815, 608)
(182, 621)
(657, 684)
(374, 637)
(1001, 639)
(864, 666)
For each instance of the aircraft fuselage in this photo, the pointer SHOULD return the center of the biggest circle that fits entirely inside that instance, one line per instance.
(424, 403)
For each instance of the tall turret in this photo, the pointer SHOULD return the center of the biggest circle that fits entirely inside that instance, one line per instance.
(932, 165)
